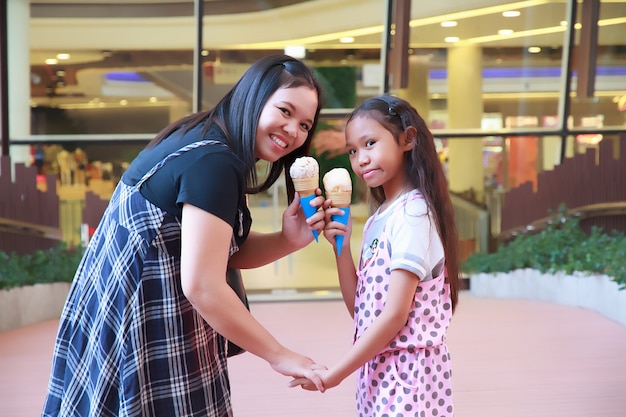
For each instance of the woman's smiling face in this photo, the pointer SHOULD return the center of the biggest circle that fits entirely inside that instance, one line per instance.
(285, 122)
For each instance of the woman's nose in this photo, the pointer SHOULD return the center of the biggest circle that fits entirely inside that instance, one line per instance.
(291, 128)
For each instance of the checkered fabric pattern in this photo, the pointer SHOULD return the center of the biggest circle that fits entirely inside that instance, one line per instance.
(129, 342)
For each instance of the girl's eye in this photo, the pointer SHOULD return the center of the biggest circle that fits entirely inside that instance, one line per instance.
(305, 127)
(351, 151)
(284, 111)
(370, 142)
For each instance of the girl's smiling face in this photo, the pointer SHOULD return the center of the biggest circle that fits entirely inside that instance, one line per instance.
(375, 154)
(285, 122)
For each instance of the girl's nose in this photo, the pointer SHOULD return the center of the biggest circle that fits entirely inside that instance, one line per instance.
(363, 158)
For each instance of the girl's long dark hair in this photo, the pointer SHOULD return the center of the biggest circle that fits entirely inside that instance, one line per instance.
(238, 112)
(423, 170)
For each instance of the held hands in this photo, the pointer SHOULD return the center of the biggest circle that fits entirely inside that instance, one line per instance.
(300, 368)
(327, 380)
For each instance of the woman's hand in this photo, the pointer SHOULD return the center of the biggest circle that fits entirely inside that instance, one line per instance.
(296, 227)
(300, 368)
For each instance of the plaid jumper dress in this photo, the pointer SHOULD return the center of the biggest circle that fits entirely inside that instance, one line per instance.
(129, 342)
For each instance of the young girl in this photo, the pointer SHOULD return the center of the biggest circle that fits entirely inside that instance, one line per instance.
(143, 330)
(405, 288)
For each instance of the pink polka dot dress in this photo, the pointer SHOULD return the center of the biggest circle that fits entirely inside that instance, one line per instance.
(411, 376)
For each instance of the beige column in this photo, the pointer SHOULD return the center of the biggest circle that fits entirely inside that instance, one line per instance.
(416, 92)
(465, 110)
(179, 109)
(18, 51)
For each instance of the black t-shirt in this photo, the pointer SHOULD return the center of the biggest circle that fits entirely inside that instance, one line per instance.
(210, 177)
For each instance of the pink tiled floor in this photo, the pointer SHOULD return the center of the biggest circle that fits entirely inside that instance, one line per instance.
(511, 358)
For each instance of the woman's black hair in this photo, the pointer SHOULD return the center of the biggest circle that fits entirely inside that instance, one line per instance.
(422, 169)
(238, 112)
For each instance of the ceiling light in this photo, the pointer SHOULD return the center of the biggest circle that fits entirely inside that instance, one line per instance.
(511, 13)
(63, 56)
(534, 49)
(449, 24)
(297, 51)
(451, 39)
(51, 61)
(346, 39)
(505, 32)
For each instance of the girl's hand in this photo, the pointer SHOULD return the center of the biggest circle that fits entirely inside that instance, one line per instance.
(296, 227)
(334, 228)
(306, 384)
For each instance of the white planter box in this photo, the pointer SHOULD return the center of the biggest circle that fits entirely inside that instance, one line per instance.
(595, 292)
(31, 304)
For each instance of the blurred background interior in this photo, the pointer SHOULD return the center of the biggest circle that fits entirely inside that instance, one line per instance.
(511, 91)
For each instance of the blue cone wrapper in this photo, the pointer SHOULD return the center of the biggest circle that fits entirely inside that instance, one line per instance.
(309, 210)
(344, 220)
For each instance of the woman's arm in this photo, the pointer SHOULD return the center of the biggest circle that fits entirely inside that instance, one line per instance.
(262, 248)
(204, 256)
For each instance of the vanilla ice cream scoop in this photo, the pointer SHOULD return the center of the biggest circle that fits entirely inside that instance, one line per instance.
(338, 187)
(305, 173)
(337, 179)
(304, 167)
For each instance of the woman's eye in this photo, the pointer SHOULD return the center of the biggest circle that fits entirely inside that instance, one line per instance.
(305, 126)
(370, 142)
(284, 111)
(351, 151)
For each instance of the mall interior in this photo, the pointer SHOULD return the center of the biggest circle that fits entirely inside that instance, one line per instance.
(509, 90)
(512, 91)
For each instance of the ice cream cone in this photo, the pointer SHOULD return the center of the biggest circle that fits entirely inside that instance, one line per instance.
(343, 219)
(309, 210)
(338, 186)
(306, 186)
(339, 198)
(304, 173)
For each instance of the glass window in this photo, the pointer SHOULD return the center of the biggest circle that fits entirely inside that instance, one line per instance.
(102, 79)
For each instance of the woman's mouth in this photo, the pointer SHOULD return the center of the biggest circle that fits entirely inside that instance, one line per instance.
(278, 141)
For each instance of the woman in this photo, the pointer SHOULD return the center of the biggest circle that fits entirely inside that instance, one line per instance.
(142, 332)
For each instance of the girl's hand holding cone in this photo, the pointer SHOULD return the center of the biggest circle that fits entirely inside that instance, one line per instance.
(338, 226)
(338, 185)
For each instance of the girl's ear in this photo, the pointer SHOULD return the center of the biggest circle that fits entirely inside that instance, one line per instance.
(408, 138)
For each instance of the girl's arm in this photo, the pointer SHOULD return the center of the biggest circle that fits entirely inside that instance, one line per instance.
(204, 257)
(262, 248)
(402, 287)
(345, 263)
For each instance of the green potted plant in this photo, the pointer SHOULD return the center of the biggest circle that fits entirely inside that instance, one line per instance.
(560, 263)
(33, 287)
